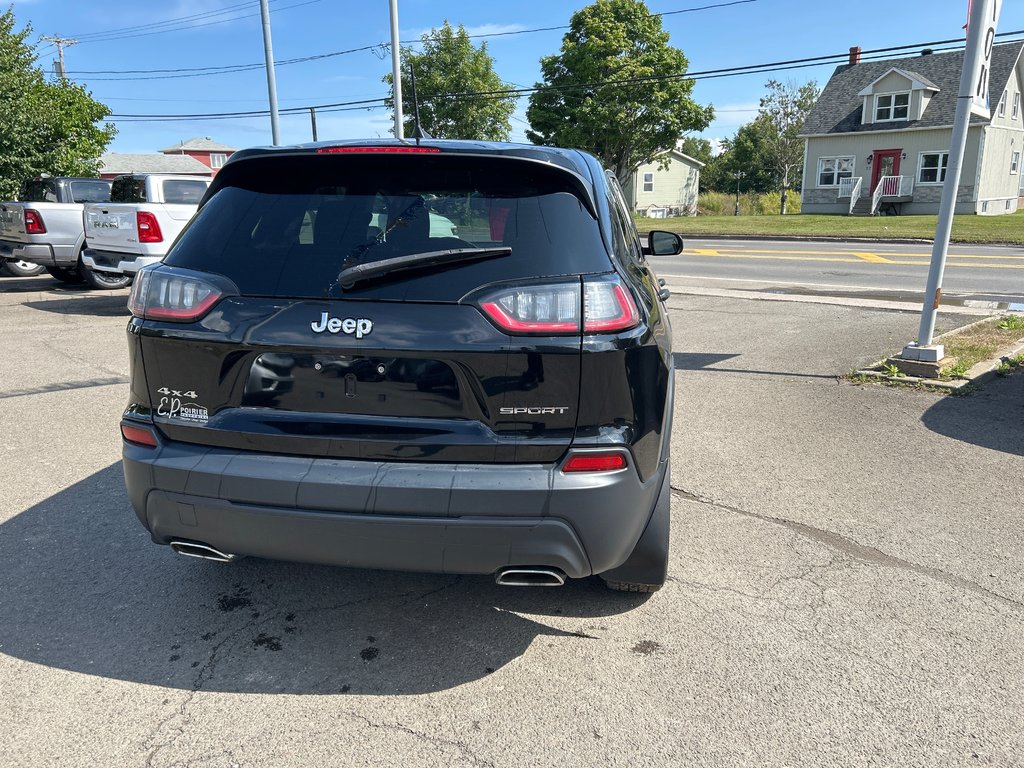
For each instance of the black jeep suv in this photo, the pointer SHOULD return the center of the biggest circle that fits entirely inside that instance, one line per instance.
(449, 357)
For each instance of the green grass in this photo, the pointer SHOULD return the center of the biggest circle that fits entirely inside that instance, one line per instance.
(966, 229)
(979, 342)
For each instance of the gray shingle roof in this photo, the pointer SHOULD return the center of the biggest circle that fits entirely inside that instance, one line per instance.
(119, 162)
(838, 109)
(200, 143)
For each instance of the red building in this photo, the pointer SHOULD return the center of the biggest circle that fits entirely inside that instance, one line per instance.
(208, 152)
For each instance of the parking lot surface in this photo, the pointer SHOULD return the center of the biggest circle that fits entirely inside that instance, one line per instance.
(845, 589)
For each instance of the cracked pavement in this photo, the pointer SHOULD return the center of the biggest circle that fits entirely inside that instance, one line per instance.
(845, 586)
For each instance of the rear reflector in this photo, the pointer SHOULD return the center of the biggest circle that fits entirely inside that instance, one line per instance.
(596, 462)
(378, 150)
(174, 296)
(34, 222)
(138, 436)
(149, 227)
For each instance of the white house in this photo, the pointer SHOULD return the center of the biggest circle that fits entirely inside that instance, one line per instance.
(659, 192)
(877, 140)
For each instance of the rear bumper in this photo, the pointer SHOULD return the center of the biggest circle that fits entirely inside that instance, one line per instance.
(120, 263)
(446, 518)
(37, 253)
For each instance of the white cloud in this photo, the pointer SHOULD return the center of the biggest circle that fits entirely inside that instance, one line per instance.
(477, 29)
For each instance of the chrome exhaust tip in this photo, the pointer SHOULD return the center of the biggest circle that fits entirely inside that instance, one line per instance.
(201, 551)
(529, 577)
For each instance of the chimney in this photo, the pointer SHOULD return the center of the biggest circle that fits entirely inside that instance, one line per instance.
(854, 55)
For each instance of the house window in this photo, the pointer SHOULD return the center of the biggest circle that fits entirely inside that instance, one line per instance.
(1014, 162)
(217, 159)
(832, 169)
(932, 167)
(892, 106)
(648, 182)
(1016, 106)
(1002, 105)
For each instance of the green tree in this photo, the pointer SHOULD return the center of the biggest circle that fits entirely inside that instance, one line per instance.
(448, 66)
(779, 121)
(615, 89)
(44, 127)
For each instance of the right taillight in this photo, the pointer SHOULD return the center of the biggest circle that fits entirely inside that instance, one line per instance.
(148, 227)
(34, 222)
(172, 295)
(602, 305)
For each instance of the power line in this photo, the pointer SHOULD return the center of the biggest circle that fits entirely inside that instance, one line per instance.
(178, 24)
(375, 103)
(185, 72)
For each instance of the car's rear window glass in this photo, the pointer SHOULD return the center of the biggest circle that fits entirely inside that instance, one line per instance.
(287, 226)
(186, 191)
(39, 191)
(90, 191)
(128, 189)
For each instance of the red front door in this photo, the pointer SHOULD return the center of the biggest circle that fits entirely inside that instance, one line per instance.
(886, 162)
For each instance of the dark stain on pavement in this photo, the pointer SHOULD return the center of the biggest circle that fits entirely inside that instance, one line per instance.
(646, 647)
(369, 654)
(269, 642)
(237, 599)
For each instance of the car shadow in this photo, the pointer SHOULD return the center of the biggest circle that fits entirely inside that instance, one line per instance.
(96, 304)
(991, 417)
(83, 589)
(703, 361)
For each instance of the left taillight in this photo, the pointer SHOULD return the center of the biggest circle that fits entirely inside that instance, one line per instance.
(176, 295)
(137, 435)
(34, 222)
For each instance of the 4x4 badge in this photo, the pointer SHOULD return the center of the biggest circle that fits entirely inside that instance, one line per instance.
(349, 326)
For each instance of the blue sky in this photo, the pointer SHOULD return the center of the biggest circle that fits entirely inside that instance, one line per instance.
(229, 33)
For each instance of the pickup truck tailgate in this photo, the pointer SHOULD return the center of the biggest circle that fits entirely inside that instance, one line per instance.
(12, 222)
(111, 226)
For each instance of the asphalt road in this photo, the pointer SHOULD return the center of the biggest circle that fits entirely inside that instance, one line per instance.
(846, 585)
(895, 270)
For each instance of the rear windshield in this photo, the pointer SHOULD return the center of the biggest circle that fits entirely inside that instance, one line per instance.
(185, 191)
(128, 189)
(39, 191)
(90, 191)
(287, 226)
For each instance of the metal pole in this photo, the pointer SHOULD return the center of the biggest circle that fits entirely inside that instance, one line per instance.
(268, 52)
(312, 119)
(984, 14)
(396, 71)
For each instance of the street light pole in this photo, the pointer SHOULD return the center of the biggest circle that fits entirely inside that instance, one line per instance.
(268, 52)
(396, 72)
(739, 175)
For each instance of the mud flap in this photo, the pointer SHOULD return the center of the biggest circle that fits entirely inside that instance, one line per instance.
(648, 563)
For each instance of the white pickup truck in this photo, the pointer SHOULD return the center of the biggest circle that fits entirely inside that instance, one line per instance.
(45, 226)
(145, 214)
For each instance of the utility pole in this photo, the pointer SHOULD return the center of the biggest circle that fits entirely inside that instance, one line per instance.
(268, 52)
(312, 120)
(61, 43)
(396, 72)
(972, 98)
(739, 175)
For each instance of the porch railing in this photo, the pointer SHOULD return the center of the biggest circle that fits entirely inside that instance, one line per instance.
(891, 186)
(850, 188)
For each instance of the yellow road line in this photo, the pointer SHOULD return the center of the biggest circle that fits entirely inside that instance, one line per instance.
(858, 258)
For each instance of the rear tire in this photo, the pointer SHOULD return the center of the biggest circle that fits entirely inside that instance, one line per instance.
(103, 281)
(67, 275)
(21, 269)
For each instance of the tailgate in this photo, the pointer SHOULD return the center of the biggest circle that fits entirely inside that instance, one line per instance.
(111, 226)
(12, 223)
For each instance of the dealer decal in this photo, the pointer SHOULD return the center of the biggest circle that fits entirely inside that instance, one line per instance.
(176, 404)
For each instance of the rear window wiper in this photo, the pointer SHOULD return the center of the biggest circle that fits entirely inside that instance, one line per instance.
(374, 269)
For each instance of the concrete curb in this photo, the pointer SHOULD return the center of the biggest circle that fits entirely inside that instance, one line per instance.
(842, 301)
(824, 239)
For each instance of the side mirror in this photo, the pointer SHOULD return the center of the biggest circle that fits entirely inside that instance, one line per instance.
(661, 243)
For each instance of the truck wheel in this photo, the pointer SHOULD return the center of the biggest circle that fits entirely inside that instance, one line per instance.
(21, 269)
(647, 567)
(104, 281)
(65, 275)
